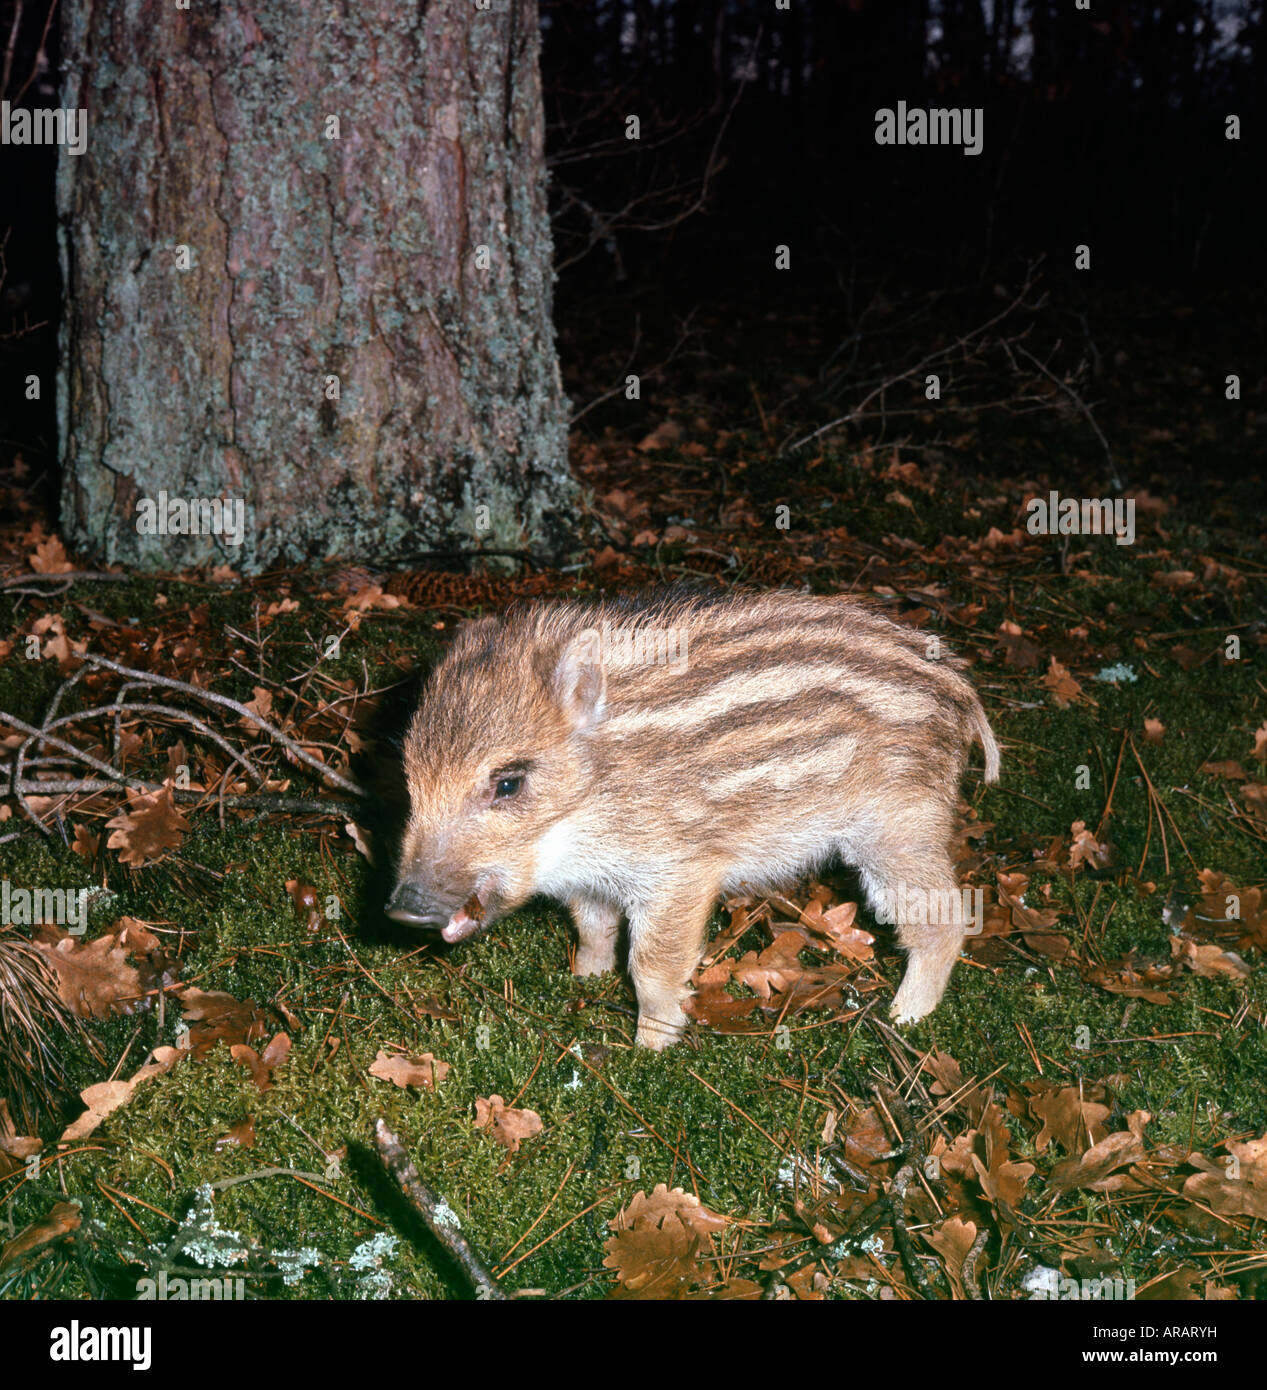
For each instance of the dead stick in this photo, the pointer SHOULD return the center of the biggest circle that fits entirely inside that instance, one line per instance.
(440, 1218)
(261, 801)
(901, 1237)
(150, 678)
(73, 576)
(969, 1272)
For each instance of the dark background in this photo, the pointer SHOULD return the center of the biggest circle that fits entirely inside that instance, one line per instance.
(758, 129)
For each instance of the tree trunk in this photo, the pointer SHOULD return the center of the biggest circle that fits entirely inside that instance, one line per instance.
(361, 347)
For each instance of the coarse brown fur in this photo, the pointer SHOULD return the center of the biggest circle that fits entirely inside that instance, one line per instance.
(637, 758)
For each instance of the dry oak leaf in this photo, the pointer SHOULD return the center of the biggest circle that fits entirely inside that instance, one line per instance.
(150, 825)
(1096, 1169)
(307, 904)
(1086, 849)
(775, 968)
(60, 1221)
(1182, 1285)
(261, 706)
(1018, 650)
(361, 839)
(240, 1136)
(372, 596)
(952, 1240)
(425, 1072)
(1229, 767)
(836, 925)
(665, 434)
(1207, 959)
(509, 1127)
(108, 1096)
(808, 1285)
(262, 1064)
(1001, 1178)
(1189, 657)
(177, 759)
(50, 557)
(15, 1148)
(86, 843)
(1075, 1123)
(1236, 1187)
(656, 1239)
(1064, 689)
(1174, 580)
(713, 1007)
(969, 1096)
(1033, 923)
(1241, 909)
(58, 647)
(211, 1016)
(117, 973)
(1134, 980)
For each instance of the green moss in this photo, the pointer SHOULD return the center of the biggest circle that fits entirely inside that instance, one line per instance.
(720, 1115)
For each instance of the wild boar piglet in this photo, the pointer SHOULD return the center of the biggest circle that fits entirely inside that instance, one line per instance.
(638, 758)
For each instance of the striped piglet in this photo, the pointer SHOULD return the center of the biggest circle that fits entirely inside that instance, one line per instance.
(639, 758)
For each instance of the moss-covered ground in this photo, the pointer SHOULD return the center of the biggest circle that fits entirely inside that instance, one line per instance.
(725, 1116)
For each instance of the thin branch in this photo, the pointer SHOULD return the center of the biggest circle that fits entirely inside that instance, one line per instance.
(73, 576)
(937, 355)
(439, 1217)
(259, 801)
(10, 46)
(40, 54)
(18, 790)
(1114, 476)
(299, 754)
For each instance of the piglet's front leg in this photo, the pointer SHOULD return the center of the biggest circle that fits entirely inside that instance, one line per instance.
(597, 928)
(665, 945)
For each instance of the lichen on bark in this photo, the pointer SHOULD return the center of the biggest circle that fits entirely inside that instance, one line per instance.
(309, 258)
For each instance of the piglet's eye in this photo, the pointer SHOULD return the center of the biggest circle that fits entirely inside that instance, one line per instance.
(507, 786)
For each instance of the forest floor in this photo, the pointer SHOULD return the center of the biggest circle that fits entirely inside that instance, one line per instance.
(1087, 1103)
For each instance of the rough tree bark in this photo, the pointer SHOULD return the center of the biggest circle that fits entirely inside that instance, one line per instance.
(361, 190)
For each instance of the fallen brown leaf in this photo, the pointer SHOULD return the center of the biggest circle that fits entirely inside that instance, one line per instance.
(509, 1127)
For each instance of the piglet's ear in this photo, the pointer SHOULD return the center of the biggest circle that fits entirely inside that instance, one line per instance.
(580, 682)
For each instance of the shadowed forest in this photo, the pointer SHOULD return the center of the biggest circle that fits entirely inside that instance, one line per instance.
(1000, 377)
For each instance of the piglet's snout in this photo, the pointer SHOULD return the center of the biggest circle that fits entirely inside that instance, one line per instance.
(415, 907)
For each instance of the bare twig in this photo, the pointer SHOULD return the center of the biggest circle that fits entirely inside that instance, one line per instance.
(255, 801)
(439, 1217)
(685, 333)
(1114, 477)
(10, 46)
(937, 355)
(41, 56)
(195, 692)
(901, 1237)
(72, 576)
(17, 788)
(969, 1272)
